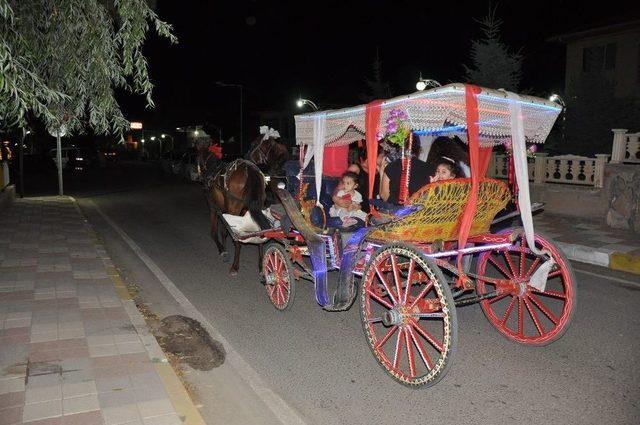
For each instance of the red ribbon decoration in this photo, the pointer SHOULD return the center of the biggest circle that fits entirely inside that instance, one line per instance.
(372, 126)
(216, 150)
(406, 171)
(473, 132)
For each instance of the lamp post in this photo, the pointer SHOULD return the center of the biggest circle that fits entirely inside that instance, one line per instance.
(560, 101)
(154, 138)
(221, 84)
(58, 133)
(423, 83)
(162, 137)
(301, 102)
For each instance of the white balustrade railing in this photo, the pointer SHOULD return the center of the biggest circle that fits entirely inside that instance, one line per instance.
(564, 169)
(499, 167)
(626, 146)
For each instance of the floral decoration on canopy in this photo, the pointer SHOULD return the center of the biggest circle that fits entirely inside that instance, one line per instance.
(396, 129)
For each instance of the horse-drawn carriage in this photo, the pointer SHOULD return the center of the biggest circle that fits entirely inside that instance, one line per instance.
(409, 275)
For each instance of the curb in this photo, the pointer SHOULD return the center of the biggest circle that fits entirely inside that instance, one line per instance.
(625, 262)
(612, 260)
(178, 395)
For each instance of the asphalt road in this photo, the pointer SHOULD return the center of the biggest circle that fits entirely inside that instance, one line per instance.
(319, 363)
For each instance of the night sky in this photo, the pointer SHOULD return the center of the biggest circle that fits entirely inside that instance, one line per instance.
(323, 50)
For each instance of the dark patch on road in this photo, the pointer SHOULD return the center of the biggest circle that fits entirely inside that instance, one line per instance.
(187, 339)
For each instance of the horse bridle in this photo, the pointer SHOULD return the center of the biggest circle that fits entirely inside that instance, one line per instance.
(263, 156)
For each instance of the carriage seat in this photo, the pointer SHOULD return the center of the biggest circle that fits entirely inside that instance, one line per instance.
(442, 205)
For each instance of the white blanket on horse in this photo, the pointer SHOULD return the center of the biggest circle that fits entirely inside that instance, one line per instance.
(244, 225)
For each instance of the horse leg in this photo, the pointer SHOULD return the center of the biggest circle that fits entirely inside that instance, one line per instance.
(236, 258)
(216, 237)
(260, 255)
(223, 233)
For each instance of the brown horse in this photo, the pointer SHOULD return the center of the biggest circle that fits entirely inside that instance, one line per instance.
(269, 154)
(232, 188)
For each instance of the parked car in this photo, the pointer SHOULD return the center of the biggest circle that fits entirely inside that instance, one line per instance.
(165, 162)
(66, 154)
(84, 159)
(168, 161)
(190, 166)
(109, 155)
(177, 165)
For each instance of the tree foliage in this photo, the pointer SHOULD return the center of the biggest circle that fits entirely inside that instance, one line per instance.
(492, 65)
(377, 86)
(63, 60)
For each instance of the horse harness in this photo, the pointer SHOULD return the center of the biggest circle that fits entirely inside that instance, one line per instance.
(263, 157)
(225, 170)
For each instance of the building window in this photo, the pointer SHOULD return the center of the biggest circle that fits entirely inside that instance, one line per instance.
(599, 58)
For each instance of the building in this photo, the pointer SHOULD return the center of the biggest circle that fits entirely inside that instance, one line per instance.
(612, 51)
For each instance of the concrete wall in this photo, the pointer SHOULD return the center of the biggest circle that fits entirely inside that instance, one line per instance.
(623, 210)
(574, 201)
(616, 204)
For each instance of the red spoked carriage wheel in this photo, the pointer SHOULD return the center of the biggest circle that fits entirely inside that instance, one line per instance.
(408, 315)
(520, 312)
(278, 274)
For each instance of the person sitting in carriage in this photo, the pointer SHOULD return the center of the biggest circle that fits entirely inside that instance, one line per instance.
(391, 173)
(449, 147)
(361, 168)
(446, 169)
(347, 213)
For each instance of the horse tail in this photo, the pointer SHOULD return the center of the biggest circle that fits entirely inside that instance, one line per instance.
(254, 196)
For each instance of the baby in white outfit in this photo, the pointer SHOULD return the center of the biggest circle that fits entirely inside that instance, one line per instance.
(352, 198)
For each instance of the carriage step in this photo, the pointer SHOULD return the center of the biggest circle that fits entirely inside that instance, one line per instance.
(473, 300)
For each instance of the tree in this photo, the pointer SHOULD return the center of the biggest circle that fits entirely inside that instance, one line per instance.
(377, 86)
(493, 66)
(63, 60)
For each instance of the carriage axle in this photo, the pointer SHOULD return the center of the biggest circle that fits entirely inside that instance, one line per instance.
(475, 299)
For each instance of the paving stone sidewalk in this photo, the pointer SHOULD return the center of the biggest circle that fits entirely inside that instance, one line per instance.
(72, 351)
(592, 242)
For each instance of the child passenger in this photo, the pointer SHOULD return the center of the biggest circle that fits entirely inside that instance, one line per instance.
(446, 169)
(348, 208)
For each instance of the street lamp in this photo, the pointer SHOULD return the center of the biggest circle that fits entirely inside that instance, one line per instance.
(423, 83)
(222, 84)
(557, 99)
(301, 102)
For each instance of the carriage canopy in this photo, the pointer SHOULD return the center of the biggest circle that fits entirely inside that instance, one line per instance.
(442, 109)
